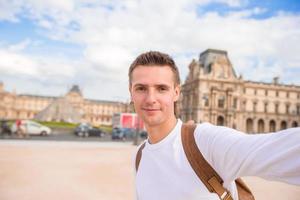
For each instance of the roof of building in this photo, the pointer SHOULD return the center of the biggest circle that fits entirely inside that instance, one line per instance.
(75, 88)
(213, 51)
(290, 86)
(37, 96)
(105, 101)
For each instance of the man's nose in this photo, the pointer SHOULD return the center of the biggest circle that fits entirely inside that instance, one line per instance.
(151, 97)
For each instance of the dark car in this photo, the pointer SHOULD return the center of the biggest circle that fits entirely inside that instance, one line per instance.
(143, 134)
(86, 130)
(4, 127)
(122, 133)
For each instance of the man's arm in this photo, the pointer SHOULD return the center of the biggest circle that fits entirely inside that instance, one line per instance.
(233, 154)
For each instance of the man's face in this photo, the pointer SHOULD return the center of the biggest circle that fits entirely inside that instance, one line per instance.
(153, 93)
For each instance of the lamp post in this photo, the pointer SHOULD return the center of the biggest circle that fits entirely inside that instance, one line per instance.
(137, 131)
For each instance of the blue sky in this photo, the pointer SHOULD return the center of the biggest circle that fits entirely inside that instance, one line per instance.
(271, 7)
(47, 46)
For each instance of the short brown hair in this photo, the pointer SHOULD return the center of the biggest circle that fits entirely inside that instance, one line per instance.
(155, 58)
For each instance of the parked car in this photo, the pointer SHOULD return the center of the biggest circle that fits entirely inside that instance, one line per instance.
(32, 128)
(143, 134)
(4, 127)
(86, 130)
(122, 133)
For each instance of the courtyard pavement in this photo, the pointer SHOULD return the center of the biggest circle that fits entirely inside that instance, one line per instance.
(48, 170)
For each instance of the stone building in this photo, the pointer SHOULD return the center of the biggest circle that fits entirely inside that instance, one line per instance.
(72, 107)
(213, 93)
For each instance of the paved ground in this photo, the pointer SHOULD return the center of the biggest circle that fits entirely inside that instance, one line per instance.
(34, 170)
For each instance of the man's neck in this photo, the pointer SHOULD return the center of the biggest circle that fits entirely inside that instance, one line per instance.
(159, 132)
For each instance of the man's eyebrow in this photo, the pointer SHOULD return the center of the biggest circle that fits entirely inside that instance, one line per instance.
(139, 85)
(146, 85)
(162, 85)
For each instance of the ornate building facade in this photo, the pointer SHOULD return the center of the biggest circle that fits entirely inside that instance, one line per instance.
(72, 107)
(213, 93)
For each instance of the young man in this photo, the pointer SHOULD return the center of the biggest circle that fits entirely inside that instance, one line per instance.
(164, 171)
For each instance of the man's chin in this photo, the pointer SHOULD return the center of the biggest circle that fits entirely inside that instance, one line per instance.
(151, 121)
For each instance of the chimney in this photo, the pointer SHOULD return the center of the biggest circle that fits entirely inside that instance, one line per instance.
(276, 80)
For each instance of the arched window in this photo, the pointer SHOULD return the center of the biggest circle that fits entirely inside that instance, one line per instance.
(294, 124)
(272, 126)
(206, 100)
(249, 125)
(221, 102)
(209, 68)
(283, 125)
(261, 126)
(234, 126)
(220, 121)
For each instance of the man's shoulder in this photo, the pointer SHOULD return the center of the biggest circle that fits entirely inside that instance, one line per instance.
(208, 130)
(204, 126)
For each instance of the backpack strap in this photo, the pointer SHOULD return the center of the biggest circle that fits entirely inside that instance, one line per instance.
(202, 168)
(139, 156)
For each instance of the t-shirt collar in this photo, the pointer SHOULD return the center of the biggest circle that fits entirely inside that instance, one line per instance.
(167, 139)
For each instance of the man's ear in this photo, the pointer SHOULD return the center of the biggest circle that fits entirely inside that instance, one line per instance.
(177, 93)
(129, 88)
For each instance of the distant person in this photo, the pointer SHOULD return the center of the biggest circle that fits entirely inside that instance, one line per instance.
(21, 129)
(164, 172)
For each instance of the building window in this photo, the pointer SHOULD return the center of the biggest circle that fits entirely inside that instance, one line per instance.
(287, 108)
(235, 103)
(266, 107)
(244, 105)
(272, 126)
(206, 100)
(283, 125)
(276, 108)
(220, 121)
(266, 92)
(277, 93)
(294, 124)
(249, 125)
(287, 95)
(209, 67)
(298, 110)
(254, 106)
(221, 102)
(261, 126)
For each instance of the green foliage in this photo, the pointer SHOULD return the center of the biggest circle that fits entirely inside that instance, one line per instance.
(58, 124)
(106, 128)
(65, 125)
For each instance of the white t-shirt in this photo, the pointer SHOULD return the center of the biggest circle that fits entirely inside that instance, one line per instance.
(164, 172)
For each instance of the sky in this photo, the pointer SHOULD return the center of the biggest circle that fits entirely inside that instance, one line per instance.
(48, 46)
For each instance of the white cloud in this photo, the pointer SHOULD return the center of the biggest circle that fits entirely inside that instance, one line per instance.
(113, 33)
(14, 62)
(8, 10)
(19, 46)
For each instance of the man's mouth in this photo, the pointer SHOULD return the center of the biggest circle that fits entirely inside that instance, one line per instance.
(151, 109)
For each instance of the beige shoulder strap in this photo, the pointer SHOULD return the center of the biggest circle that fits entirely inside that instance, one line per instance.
(139, 156)
(202, 168)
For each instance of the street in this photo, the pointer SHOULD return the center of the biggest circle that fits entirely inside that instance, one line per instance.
(76, 170)
(63, 136)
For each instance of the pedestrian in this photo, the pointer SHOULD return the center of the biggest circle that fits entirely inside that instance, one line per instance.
(21, 132)
(164, 171)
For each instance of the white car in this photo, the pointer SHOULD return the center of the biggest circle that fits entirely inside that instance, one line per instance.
(32, 128)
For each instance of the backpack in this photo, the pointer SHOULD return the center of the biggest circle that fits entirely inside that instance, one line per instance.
(202, 168)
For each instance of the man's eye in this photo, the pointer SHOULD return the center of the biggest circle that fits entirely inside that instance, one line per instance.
(140, 89)
(162, 89)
